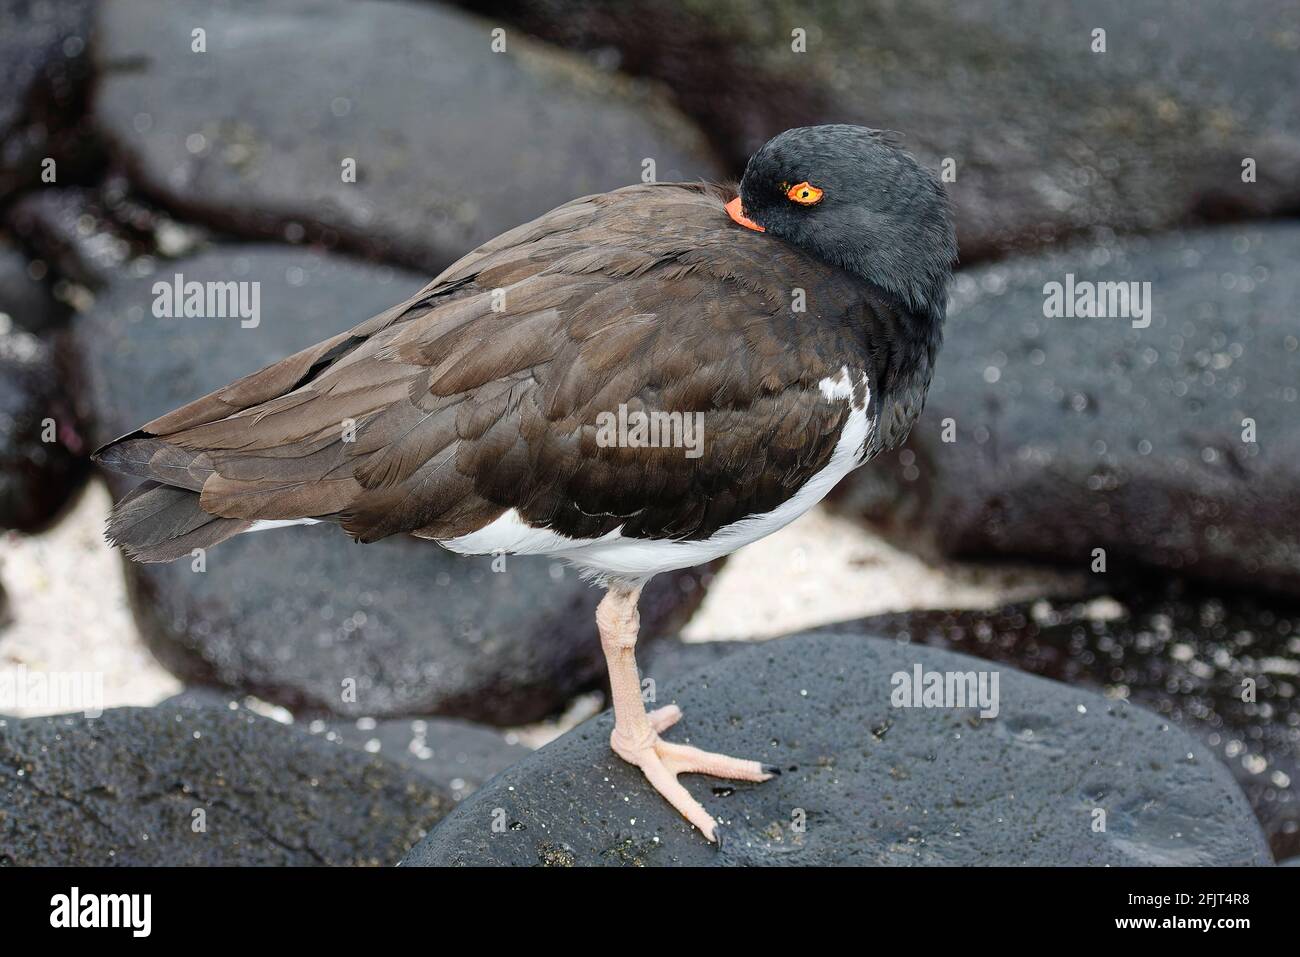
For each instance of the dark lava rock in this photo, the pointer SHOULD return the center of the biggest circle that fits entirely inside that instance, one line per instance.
(1191, 659)
(867, 783)
(68, 229)
(453, 143)
(457, 756)
(1174, 446)
(37, 477)
(23, 298)
(41, 46)
(303, 616)
(125, 789)
(44, 74)
(89, 235)
(1047, 136)
(670, 661)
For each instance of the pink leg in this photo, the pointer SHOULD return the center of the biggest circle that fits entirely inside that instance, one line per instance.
(636, 739)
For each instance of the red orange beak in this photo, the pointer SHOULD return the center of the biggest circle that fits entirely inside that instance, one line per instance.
(735, 212)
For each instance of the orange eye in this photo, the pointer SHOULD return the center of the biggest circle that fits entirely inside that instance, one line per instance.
(805, 194)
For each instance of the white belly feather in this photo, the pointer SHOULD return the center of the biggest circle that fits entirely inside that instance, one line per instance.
(633, 558)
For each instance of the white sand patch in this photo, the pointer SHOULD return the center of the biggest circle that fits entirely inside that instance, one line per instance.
(824, 568)
(544, 732)
(68, 614)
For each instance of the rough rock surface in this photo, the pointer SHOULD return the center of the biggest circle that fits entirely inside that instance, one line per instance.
(867, 783)
(69, 231)
(37, 477)
(1191, 659)
(304, 616)
(40, 46)
(175, 786)
(457, 756)
(26, 301)
(89, 235)
(671, 661)
(1173, 445)
(452, 143)
(1047, 136)
(44, 70)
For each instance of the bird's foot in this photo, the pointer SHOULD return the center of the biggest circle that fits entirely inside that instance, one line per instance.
(661, 761)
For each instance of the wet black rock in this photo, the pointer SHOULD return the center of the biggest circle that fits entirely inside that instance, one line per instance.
(42, 451)
(24, 298)
(1059, 776)
(1046, 136)
(89, 235)
(175, 786)
(44, 73)
(305, 617)
(41, 46)
(457, 756)
(670, 661)
(1174, 445)
(69, 230)
(1224, 668)
(452, 142)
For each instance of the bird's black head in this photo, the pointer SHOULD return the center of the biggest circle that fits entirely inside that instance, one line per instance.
(853, 198)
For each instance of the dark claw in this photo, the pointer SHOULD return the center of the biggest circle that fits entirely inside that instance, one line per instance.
(719, 834)
(772, 769)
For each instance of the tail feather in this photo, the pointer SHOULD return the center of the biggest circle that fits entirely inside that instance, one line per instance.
(161, 523)
(149, 457)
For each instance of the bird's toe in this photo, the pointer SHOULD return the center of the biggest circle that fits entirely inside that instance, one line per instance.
(661, 719)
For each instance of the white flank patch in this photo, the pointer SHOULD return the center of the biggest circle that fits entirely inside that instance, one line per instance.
(621, 557)
(266, 523)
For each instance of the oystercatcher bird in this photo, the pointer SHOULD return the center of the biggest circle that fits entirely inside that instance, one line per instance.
(797, 322)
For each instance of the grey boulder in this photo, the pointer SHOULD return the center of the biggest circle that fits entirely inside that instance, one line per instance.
(456, 756)
(1043, 133)
(175, 786)
(1059, 777)
(1221, 667)
(42, 446)
(1083, 441)
(452, 142)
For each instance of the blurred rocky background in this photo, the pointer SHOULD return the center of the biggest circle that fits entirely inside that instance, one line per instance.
(324, 702)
